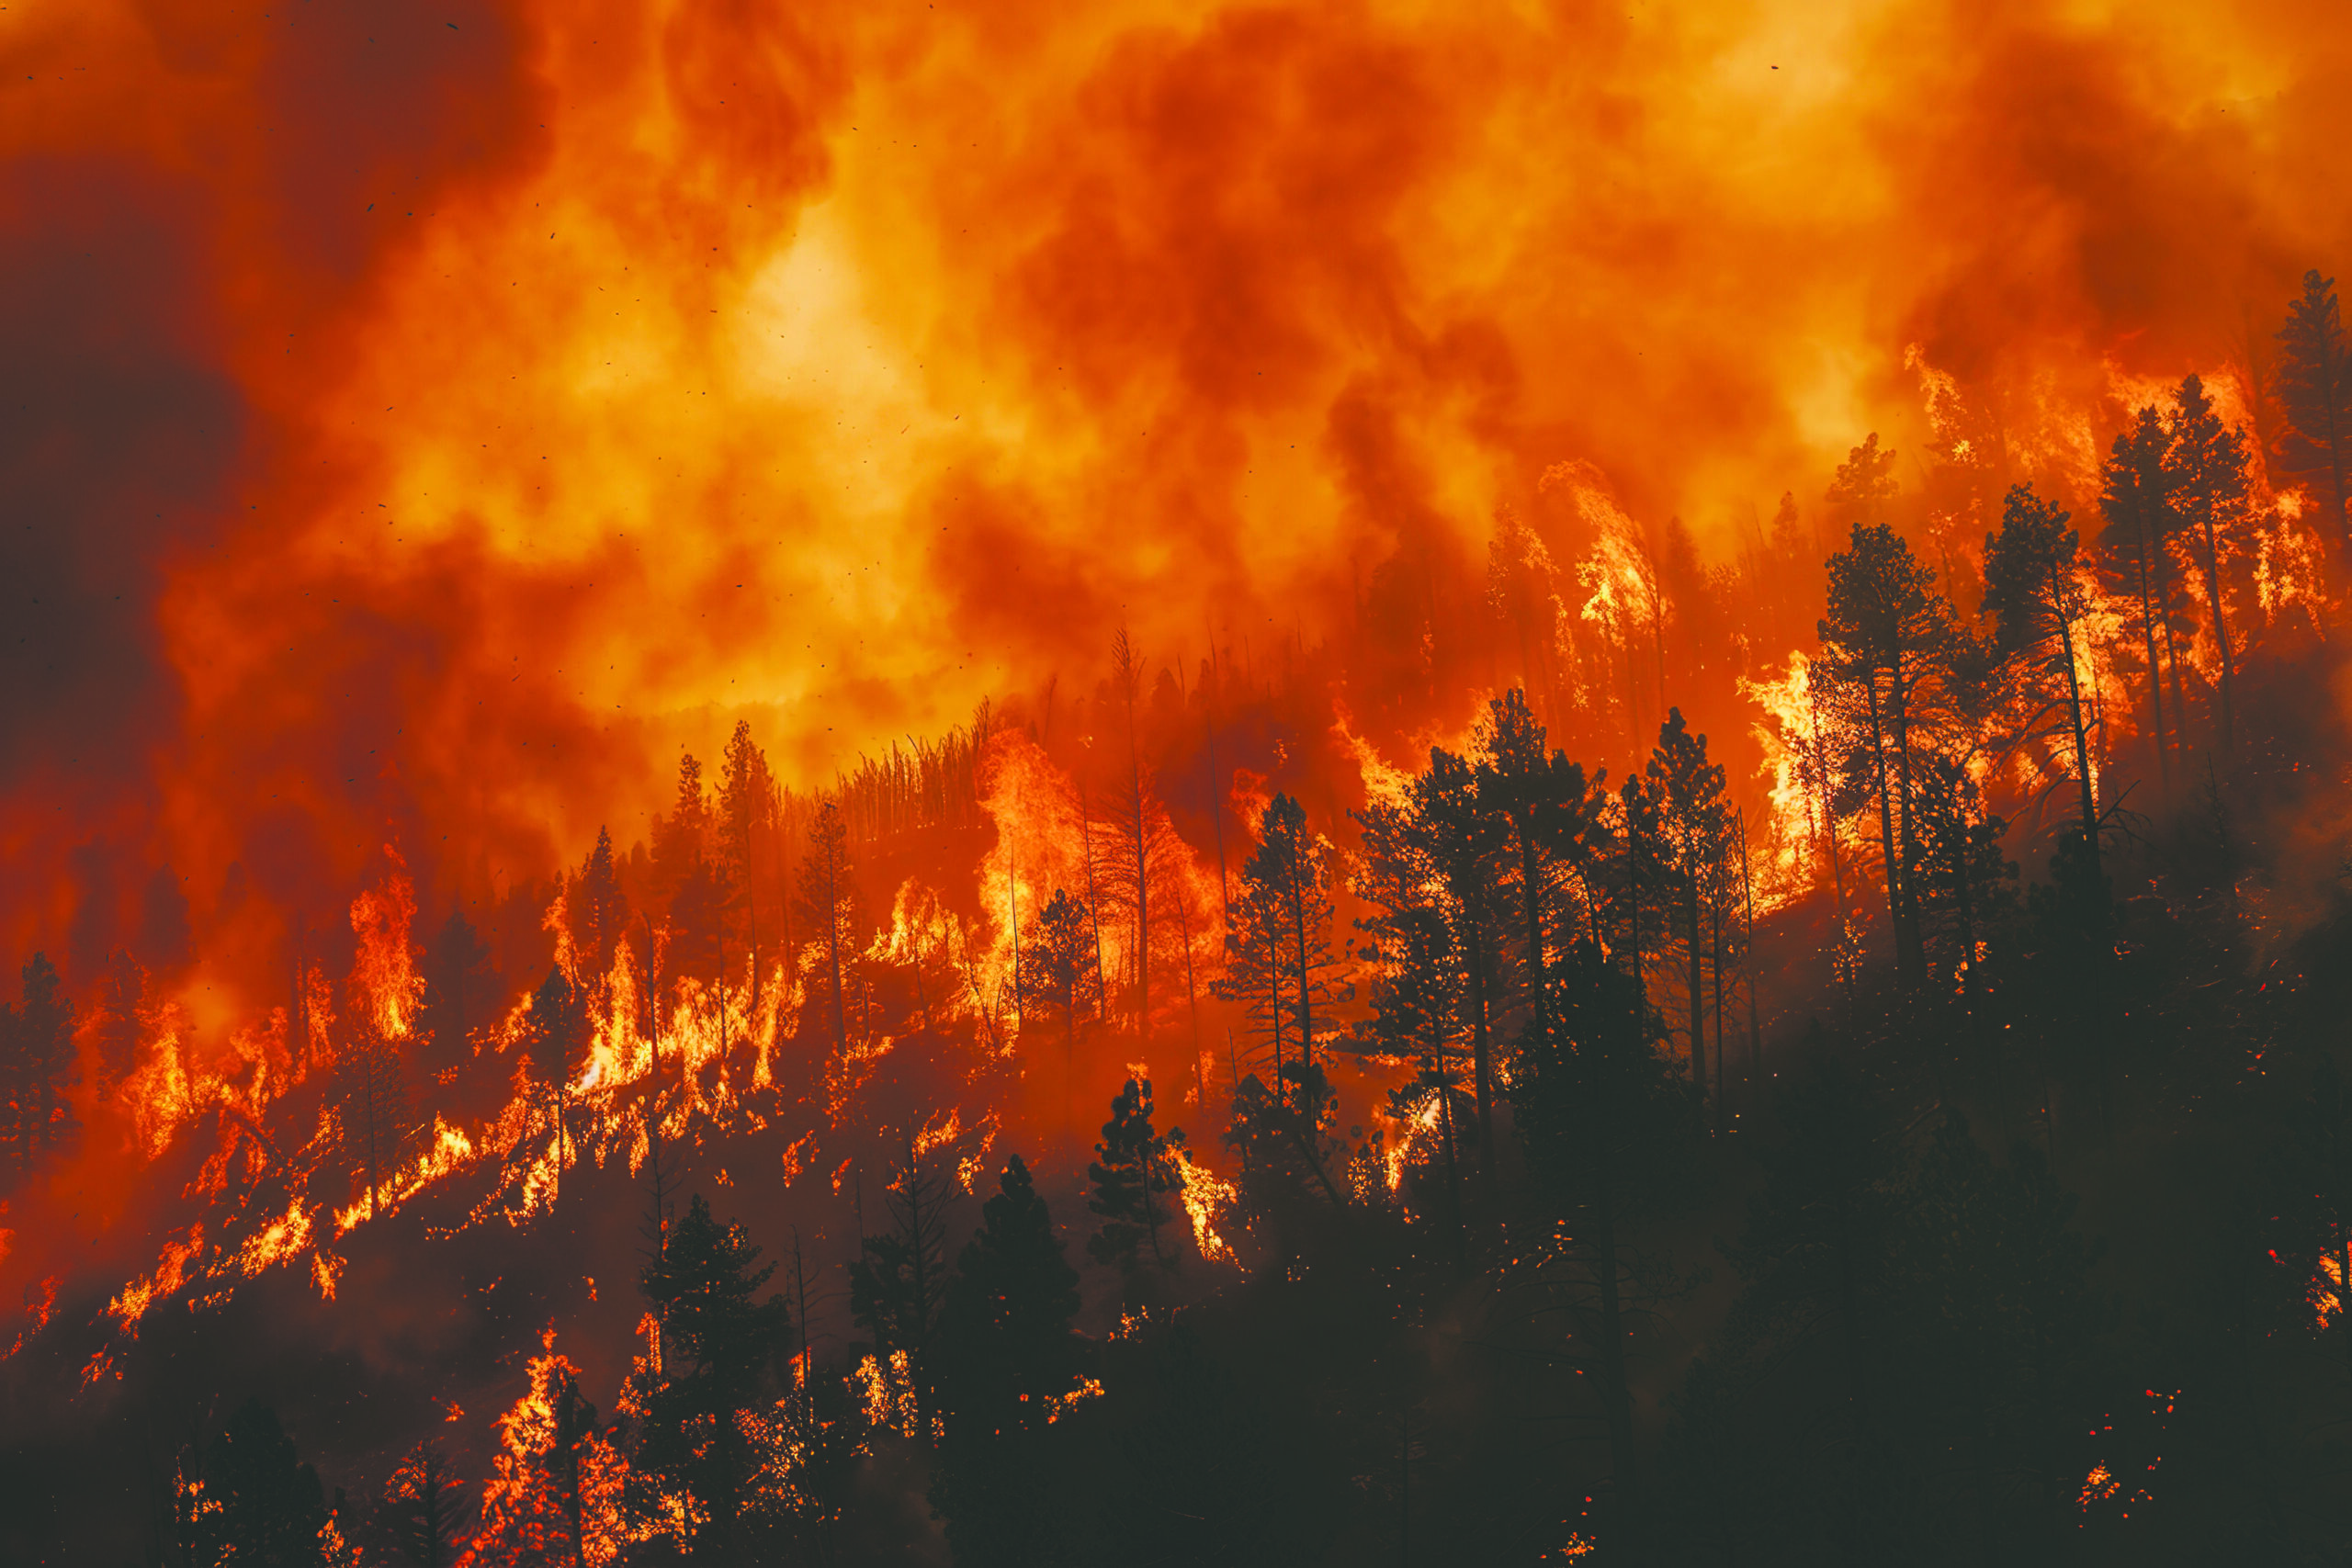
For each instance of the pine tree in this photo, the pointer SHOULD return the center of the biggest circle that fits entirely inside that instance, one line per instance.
(48, 1064)
(1885, 639)
(559, 1041)
(1608, 1132)
(899, 1283)
(1131, 868)
(827, 903)
(372, 1090)
(599, 909)
(1056, 969)
(1545, 812)
(1007, 1353)
(718, 1350)
(425, 1515)
(1417, 1002)
(746, 815)
(2038, 606)
(1132, 1171)
(1005, 1331)
(557, 1483)
(697, 911)
(2316, 385)
(456, 991)
(1445, 823)
(1280, 962)
(115, 1029)
(2205, 470)
(681, 838)
(1694, 832)
(264, 1505)
(1520, 592)
(16, 1097)
(2136, 498)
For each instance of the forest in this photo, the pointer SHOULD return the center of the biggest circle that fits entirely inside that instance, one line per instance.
(1146, 1126)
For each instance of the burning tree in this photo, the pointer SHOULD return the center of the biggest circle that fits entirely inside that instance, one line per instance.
(2316, 385)
(829, 911)
(1280, 962)
(898, 1285)
(555, 1484)
(1132, 1168)
(37, 1065)
(2205, 470)
(1885, 646)
(696, 1459)
(1056, 968)
(2039, 605)
(423, 1514)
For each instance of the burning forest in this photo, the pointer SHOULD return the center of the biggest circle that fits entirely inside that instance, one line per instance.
(1204, 785)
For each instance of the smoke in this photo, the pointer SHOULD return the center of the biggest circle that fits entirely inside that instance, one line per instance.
(429, 423)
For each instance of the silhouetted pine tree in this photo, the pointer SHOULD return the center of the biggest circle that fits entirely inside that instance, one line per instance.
(1544, 813)
(425, 1512)
(1006, 1352)
(1695, 837)
(1418, 1000)
(2136, 498)
(1884, 641)
(1280, 962)
(718, 1352)
(371, 1084)
(1132, 1171)
(264, 1505)
(1056, 969)
(746, 817)
(1608, 1132)
(1443, 823)
(828, 904)
(115, 1026)
(2205, 470)
(899, 1283)
(599, 911)
(456, 994)
(2316, 385)
(2038, 606)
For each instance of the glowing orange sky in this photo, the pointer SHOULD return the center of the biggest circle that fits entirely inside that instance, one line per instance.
(516, 394)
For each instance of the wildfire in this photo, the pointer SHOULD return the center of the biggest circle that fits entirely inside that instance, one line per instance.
(521, 1508)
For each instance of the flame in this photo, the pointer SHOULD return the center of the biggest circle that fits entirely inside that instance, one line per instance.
(171, 1273)
(384, 981)
(1207, 1198)
(280, 1241)
(518, 1507)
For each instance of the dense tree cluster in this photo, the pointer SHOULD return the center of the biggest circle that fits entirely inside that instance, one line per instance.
(2023, 1233)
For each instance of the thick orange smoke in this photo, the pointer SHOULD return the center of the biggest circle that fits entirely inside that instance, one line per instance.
(428, 422)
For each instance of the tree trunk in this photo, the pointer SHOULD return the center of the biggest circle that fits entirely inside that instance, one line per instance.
(1532, 884)
(1723, 1099)
(1698, 978)
(1910, 950)
(832, 949)
(1615, 1396)
(1748, 965)
(2075, 718)
(1481, 1050)
(2220, 627)
(1886, 825)
(2148, 636)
